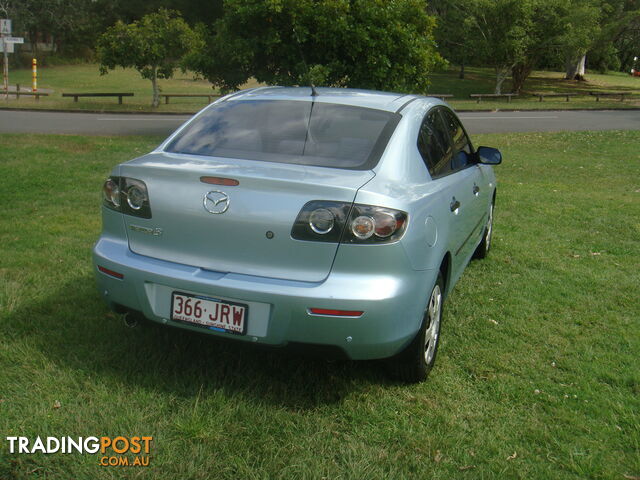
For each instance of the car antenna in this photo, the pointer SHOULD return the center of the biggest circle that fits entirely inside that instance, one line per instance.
(314, 92)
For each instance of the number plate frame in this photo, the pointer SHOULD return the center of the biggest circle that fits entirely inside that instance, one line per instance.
(210, 302)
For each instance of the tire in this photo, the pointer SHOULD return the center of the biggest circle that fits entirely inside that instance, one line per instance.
(416, 361)
(483, 248)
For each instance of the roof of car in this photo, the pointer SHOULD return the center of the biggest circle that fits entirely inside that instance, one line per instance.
(387, 101)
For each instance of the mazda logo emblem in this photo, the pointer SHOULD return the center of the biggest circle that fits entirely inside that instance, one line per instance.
(216, 202)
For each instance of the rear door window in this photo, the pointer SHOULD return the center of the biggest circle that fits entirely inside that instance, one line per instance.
(461, 156)
(434, 144)
(299, 132)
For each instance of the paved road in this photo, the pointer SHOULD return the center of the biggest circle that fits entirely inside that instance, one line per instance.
(16, 121)
(476, 122)
(554, 121)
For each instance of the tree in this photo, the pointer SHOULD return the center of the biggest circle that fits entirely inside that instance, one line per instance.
(455, 43)
(62, 19)
(495, 33)
(154, 46)
(358, 43)
(579, 31)
(619, 39)
(517, 36)
(503, 33)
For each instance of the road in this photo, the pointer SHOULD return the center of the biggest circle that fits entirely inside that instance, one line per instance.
(552, 121)
(12, 121)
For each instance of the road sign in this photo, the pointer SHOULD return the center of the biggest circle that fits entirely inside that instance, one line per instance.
(14, 39)
(9, 47)
(5, 26)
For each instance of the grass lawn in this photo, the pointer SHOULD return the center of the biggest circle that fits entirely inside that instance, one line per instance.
(86, 78)
(537, 375)
(482, 80)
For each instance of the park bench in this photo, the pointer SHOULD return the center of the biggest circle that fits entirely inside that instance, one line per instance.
(119, 95)
(194, 95)
(551, 94)
(18, 94)
(441, 96)
(609, 94)
(493, 95)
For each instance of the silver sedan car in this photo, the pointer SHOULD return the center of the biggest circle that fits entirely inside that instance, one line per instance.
(331, 218)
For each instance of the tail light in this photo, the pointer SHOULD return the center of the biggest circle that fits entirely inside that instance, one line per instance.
(326, 221)
(126, 195)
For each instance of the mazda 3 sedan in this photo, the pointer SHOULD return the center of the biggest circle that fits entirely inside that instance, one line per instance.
(333, 218)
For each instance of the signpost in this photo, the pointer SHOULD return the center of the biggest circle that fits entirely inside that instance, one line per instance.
(5, 26)
(5, 29)
(7, 47)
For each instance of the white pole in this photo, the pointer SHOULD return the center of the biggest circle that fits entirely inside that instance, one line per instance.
(5, 69)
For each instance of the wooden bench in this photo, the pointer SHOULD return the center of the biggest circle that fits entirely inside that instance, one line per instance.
(493, 95)
(609, 94)
(167, 96)
(119, 95)
(441, 96)
(542, 95)
(18, 94)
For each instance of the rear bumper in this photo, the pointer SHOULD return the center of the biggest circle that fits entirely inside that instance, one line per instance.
(278, 309)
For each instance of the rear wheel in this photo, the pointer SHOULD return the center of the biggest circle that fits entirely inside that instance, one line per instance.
(417, 360)
(483, 248)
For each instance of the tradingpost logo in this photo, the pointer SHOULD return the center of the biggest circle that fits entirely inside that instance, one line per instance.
(117, 451)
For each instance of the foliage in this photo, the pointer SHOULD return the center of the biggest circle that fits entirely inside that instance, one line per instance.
(496, 33)
(154, 46)
(619, 40)
(75, 25)
(63, 20)
(515, 36)
(356, 43)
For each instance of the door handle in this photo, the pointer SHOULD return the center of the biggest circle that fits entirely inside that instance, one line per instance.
(476, 189)
(455, 205)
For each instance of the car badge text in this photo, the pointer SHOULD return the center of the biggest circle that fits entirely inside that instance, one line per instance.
(216, 202)
(156, 232)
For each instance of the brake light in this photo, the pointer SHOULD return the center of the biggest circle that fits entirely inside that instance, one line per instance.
(127, 195)
(229, 182)
(326, 221)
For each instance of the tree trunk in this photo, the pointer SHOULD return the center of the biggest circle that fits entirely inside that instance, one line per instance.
(461, 74)
(519, 73)
(156, 91)
(583, 61)
(501, 75)
(574, 66)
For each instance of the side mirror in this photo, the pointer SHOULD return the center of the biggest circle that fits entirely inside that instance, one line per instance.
(489, 156)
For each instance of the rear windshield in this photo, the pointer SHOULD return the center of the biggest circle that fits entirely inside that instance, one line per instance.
(298, 132)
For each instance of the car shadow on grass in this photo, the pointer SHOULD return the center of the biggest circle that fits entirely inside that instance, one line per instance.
(74, 329)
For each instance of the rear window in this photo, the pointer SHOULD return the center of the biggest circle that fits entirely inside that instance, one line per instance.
(305, 133)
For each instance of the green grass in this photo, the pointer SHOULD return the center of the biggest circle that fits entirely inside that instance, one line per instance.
(482, 80)
(538, 360)
(86, 78)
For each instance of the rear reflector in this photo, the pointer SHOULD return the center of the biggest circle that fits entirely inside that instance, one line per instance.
(229, 182)
(335, 313)
(111, 272)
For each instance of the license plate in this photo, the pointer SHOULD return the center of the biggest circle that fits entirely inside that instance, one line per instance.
(211, 313)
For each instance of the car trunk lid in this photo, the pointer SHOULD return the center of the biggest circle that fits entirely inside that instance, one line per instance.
(243, 228)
